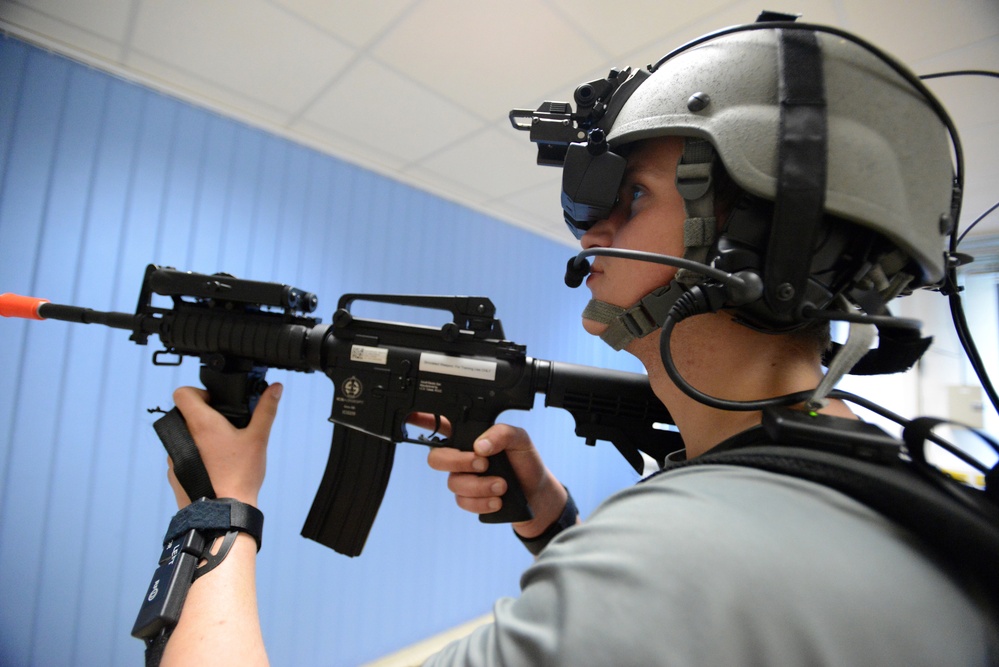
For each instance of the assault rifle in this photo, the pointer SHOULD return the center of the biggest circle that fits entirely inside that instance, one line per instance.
(383, 373)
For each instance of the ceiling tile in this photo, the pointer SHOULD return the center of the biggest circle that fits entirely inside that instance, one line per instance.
(811, 11)
(347, 147)
(493, 163)
(107, 18)
(540, 206)
(616, 27)
(356, 23)
(261, 51)
(982, 54)
(204, 92)
(923, 28)
(79, 28)
(487, 56)
(664, 28)
(378, 107)
(971, 100)
(402, 86)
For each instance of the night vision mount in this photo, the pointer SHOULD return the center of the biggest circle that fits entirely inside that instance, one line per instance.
(554, 125)
(577, 142)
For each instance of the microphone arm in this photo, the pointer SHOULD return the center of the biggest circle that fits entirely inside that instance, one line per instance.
(743, 287)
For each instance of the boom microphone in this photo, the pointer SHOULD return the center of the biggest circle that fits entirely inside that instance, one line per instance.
(576, 271)
(745, 286)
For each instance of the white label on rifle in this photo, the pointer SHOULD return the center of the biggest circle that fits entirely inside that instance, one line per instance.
(466, 368)
(368, 355)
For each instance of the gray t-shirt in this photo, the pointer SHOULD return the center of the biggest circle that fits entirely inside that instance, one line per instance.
(725, 565)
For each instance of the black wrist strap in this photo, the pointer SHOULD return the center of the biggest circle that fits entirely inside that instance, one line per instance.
(186, 556)
(568, 518)
(216, 517)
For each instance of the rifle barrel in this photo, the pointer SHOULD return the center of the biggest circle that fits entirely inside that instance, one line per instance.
(55, 311)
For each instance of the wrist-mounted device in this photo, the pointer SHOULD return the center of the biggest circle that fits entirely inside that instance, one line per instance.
(568, 518)
(187, 555)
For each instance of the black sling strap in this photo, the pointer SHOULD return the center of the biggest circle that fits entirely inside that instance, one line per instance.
(187, 464)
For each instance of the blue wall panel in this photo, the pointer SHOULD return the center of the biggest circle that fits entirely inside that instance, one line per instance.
(101, 177)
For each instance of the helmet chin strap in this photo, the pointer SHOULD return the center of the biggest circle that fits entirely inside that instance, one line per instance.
(695, 183)
(627, 324)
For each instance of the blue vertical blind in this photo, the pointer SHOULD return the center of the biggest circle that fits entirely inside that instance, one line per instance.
(100, 177)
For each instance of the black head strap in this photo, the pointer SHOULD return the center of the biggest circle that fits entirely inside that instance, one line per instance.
(801, 171)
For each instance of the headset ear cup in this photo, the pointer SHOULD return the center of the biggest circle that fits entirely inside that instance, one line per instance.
(836, 257)
(741, 244)
(742, 247)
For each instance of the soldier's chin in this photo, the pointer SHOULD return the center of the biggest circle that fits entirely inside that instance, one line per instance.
(593, 327)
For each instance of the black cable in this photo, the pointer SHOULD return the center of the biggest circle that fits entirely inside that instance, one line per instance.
(903, 422)
(693, 303)
(692, 307)
(668, 260)
(703, 299)
(977, 220)
(960, 72)
(698, 300)
(951, 288)
(880, 321)
(968, 343)
(953, 292)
